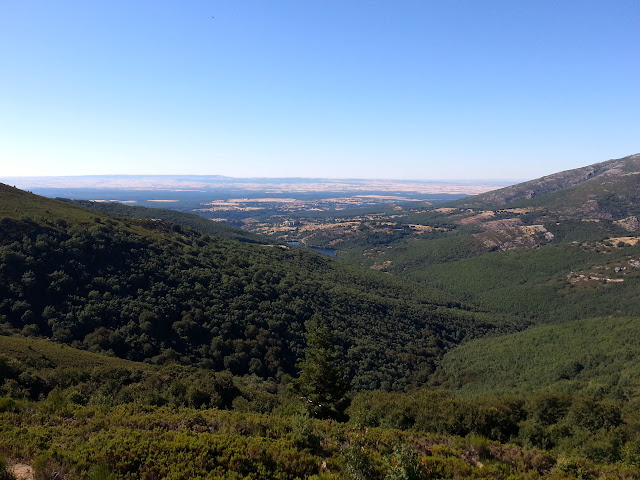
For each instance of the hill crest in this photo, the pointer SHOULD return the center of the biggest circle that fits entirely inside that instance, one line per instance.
(553, 183)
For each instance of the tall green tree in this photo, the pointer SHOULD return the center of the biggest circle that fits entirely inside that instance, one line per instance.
(321, 384)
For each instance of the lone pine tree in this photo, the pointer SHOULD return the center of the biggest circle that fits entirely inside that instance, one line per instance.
(321, 384)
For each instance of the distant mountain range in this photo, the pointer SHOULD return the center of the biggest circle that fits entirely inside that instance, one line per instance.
(215, 183)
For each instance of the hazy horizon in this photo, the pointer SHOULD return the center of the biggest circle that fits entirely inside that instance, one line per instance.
(52, 185)
(269, 178)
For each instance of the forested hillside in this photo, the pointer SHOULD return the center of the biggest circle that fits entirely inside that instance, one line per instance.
(595, 356)
(155, 291)
(566, 249)
(191, 220)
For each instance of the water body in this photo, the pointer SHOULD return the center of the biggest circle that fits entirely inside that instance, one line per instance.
(325, 251)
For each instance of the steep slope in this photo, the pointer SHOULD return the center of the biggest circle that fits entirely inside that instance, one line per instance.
(16, 203)
(617, 176)
(155, 291)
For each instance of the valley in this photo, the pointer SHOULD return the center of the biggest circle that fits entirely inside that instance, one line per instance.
(490, 336)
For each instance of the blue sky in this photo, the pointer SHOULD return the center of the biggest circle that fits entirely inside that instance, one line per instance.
(368, 89)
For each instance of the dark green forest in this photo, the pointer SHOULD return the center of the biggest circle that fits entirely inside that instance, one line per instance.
(143, 343)
(191, 220)
(597, 357)
(163, 292)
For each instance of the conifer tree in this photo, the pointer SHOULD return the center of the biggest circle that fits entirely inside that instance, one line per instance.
(321, 384)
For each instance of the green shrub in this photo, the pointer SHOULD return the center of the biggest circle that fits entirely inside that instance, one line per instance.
(303, 432)
(8, 405)
(101, 472)
(359, 464)
(405, 464)
(578, 467)
(56, 403)
(631, 453)
(476, 446)
(47, 465)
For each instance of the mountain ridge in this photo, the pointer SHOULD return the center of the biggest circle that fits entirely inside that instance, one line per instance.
(551, 183)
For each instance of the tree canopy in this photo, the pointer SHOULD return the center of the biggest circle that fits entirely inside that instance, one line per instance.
(321, 384)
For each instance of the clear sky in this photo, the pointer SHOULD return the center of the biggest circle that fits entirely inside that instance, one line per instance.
(458, 89)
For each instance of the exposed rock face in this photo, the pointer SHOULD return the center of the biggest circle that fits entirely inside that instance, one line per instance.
(526, 236)
(631, 224)
(502, 224)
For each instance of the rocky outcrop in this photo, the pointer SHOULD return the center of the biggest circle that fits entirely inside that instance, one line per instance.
(526, 236)
(631, 224)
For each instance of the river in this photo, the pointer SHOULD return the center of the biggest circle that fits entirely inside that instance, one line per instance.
(325, 251)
